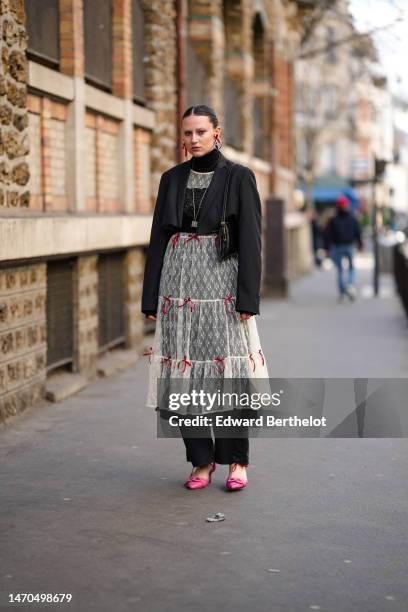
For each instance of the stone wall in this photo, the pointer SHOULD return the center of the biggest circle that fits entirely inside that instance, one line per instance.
(14, 145)
(22, 337)
(86, 315)
(161, 85)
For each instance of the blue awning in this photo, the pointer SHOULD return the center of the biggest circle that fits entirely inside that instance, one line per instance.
(329, 189)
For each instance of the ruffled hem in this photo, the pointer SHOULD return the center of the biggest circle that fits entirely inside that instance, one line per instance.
(181, 374)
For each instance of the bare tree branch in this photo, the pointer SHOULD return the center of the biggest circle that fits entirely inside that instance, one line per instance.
(311, 15)
(356, 36)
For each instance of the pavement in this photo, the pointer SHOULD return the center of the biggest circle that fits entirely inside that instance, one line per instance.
(92, 503)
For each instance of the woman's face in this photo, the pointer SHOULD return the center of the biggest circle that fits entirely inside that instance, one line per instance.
(198, 134)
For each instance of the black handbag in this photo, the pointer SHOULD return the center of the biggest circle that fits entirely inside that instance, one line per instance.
(226, 241)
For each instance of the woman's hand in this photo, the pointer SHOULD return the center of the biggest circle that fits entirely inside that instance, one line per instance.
(152, 317)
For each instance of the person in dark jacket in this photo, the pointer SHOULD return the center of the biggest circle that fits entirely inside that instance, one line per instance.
(204, 307)
(341, 233)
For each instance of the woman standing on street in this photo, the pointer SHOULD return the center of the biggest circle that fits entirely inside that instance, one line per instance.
(203, 305)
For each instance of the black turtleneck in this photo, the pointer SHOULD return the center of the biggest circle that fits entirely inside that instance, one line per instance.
(207, 162)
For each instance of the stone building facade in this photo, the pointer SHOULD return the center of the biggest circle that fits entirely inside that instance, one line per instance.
(342, 106)
(90, 100)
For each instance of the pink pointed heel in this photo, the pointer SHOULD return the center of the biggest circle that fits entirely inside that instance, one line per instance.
(197, 482)
(236, 484)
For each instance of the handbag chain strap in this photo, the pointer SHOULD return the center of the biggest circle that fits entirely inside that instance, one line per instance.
(226, 193)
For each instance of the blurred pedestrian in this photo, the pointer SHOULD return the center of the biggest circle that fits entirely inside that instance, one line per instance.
(341, 233)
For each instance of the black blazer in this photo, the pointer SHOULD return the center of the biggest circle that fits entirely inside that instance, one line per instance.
(243, 208)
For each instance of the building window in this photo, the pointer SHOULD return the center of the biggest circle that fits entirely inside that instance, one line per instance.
(329, 158)
(299, 105)
(139, 55)
(302, 155)
(98, 42)
(43, 31)
(259, 111)
(310, 99)
(60, 307)
(330, 101)
(111, 300)
(232, 18)
(331, 51)
(197, 78)
(232, 101)
(258, 130)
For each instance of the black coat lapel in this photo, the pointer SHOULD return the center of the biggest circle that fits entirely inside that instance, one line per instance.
(183, 179)
(214, 189)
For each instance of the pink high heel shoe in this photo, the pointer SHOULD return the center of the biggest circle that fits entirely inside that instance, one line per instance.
(233, 483)
(197, 482)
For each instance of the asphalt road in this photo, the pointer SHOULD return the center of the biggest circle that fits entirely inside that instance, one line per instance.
(92, 503)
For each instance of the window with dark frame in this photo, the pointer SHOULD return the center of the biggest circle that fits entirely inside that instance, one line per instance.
(329, 158)
(232, 90)
(331, 51)
(43, 31)
(98, 43)
(260, 74)
(139, 55)
(111, 303)
(197, 78)
(59, 313)
(330, 101)
(232, 101)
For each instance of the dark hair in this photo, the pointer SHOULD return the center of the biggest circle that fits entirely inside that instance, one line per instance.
(202, 109)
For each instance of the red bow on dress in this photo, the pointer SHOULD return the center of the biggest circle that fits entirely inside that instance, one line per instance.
(220, 362)
(262, 357)
(253, 361)
(192, 237)
(185, 362)
(228, 300)
(175, 239)
(166, 360)
(188, 301)
(169, 302)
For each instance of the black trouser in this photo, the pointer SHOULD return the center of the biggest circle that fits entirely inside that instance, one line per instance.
(230, 444)
(202, 451)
